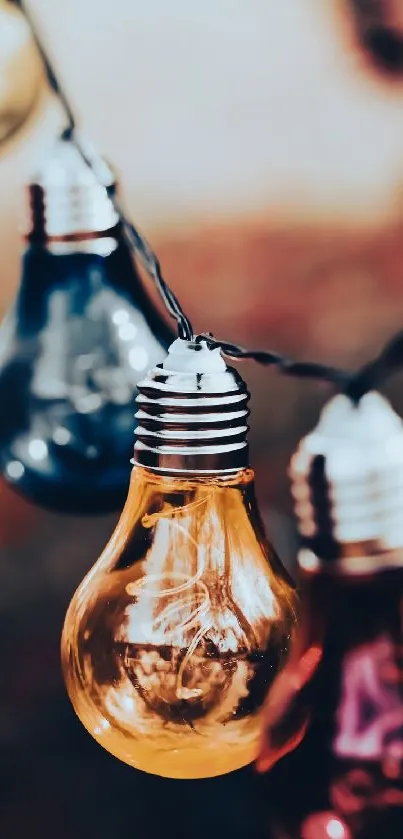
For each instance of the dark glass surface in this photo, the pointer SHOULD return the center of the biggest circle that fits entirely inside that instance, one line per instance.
(339, 703)
(82, 333)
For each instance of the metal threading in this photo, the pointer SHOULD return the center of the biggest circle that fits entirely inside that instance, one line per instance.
(192, 422)
(68, 201)
(347, 483)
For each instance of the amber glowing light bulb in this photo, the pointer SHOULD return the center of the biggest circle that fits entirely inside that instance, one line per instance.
(172, 640)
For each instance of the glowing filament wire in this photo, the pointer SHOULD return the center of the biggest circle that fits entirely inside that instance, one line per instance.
(200, 612)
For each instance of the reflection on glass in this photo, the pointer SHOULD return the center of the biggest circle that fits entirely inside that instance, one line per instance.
(171, 641)
(334, 719)
(82, 333)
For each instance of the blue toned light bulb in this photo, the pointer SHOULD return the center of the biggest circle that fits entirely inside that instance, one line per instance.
(81, 333)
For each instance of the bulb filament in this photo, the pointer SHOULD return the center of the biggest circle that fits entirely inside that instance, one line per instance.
(200, 615)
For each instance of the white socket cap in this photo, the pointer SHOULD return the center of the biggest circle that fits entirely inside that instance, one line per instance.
(361, 448)
(189, 357)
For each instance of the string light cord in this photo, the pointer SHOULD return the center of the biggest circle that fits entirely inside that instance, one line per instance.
(138, 243)
(287, 366)
(143, 250)
(53, 80)
(354, 385)
(135, 239)
(375, 373)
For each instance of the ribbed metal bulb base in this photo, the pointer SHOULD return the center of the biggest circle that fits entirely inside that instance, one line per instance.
(347, 479)
(192, 415)
(68, 200)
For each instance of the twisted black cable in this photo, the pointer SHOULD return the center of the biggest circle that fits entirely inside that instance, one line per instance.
(136, 240)
(287, 366)
(354, 385)
(373, 374)
(143, 250)
(53, 80)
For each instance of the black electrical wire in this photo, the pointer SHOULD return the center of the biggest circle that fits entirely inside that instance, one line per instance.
(135, 239)
(354, 385)
(142, 249)
(53, 80)
(373, 374)
(287, 366)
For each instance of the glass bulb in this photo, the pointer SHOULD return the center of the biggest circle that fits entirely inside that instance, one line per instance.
(172, 640)
(21, 70)
(333, 724)
(80, 336)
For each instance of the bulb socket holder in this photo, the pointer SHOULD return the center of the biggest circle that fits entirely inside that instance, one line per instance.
(192, 419)
(347, 480)
(67, 201)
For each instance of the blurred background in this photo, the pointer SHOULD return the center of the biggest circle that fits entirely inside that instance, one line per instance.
(259, 146)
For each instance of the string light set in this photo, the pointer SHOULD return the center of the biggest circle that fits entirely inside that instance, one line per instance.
(356, 384)
(185, 634)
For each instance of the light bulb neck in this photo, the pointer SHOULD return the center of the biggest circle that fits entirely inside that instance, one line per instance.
(192, 416)
(347, 483)
(68, 202)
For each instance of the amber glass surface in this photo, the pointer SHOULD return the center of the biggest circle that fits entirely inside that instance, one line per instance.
(171, 641)
(333, 725)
